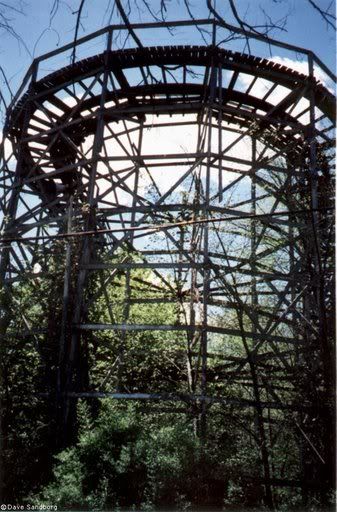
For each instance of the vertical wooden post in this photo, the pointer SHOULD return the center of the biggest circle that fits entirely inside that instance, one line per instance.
(5, 288)
(60, 398)
(72, 370)
(328, 415)
(255, 379)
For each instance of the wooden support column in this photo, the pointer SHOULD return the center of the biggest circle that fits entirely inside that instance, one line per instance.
(206, 280)
(73, 377)
(64, 334)
(6, 288)
(255, 379)
(127, 291)
(328, 419)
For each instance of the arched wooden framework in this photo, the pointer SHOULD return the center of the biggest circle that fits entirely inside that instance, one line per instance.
(190, 176)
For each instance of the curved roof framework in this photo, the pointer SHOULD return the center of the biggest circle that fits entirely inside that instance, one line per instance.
(169, 85)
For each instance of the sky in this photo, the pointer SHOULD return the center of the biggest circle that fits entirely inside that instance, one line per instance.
(40, 32)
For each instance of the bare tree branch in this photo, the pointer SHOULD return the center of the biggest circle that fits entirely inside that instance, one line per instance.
(54, 10)
(148, 7)
(326, 15)
(6, 81)
(6, 23)
(48, 29)
(125, 18)
(78, 23)
(261, 30)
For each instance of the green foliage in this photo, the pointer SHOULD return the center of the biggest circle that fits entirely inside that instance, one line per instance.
(132, 458)
(144, 361)
(125, 460)
(129, 456)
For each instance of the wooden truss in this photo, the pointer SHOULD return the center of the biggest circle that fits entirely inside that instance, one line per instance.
(231, 226)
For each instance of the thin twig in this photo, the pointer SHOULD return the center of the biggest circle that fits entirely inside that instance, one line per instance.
(78, 23)
(6, 81)
(327, 16)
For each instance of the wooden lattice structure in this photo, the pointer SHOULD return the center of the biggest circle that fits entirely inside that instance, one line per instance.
(166, 172)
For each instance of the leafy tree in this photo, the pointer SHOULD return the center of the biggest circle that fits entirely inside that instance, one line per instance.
(127, 459)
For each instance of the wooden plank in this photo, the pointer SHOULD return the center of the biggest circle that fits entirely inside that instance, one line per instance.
(185, 328)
